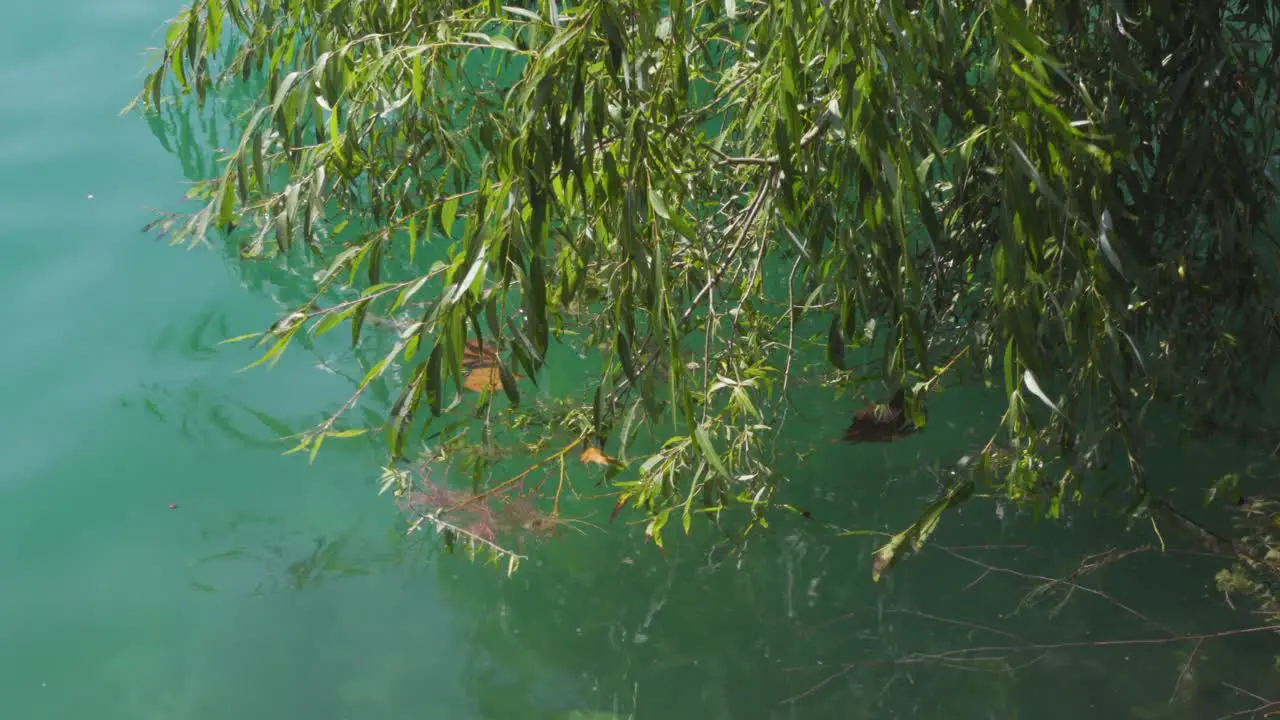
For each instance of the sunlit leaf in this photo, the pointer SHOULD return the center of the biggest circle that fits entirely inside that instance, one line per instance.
(593, 456)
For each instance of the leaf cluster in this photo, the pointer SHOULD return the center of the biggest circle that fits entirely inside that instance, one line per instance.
(1075, 197)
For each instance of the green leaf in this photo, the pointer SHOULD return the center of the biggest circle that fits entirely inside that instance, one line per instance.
(624, 355)
(503, 42)
(509, 384)
(273, 355)
(709, 452)
(282, 232)
(354, 432)
(434, 378)
(315, 447)
(522, 12)
(357, 320)
(835, 343)
(597, 413)
(448, 213)
(331, 320)
(913, 538)
(659, 207)
(226, 200)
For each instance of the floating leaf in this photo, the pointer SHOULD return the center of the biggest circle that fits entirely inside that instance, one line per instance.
(914, 537)
(483, 379)
(593, 456)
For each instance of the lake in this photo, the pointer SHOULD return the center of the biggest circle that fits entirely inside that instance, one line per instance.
(160, 557)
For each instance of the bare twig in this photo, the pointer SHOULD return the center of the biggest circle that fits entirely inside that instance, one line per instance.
(961, 623)
(1177, 685)
(1068, 580)
(998, 653)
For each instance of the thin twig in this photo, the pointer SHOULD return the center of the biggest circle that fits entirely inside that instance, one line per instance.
(1185, 669)
(961, 623)
(1068, 580)
(985, 654)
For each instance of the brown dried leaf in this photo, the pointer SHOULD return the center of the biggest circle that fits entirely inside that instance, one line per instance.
(593, 455)
(483, 379)
(477, 357)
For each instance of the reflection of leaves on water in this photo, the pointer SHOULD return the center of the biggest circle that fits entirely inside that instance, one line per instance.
(199, 341)
(325, 560)
(193, 414)
(237, 524)
(281, 568)
(202, 587)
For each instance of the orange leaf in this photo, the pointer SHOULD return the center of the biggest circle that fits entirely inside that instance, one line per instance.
(483, 379)
(593, 456)
(476, 357)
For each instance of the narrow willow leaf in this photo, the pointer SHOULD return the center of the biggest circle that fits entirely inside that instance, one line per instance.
(624, 355)
(259, 175)
(475, 274)
(1029, 379)
(559, 40)
(682, 226)
(1106, 228)
(315, 447)
(491, 317)
(1009, 385)
(659, 207)
(242, 176)
(509, 384)
(241, 338)
(709, 452)
(597, 413)
(380, 366)
(522, 12)
(272, 356)
(285, 86)
(354, 432)
(407, 294)
(331, 320)
(413, 237)
(434, 379)
(335, 137)
(835, 343)
(357, 321)
(504, 42)
(687, 515)
(226, 201)
(291, 201)
(282, 232)
(913, 538)
(417, 79)
(538, 304)
(448, 212)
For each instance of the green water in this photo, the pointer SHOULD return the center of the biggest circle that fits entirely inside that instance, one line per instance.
(276, 589)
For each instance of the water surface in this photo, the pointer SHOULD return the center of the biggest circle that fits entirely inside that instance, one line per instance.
(278, 589)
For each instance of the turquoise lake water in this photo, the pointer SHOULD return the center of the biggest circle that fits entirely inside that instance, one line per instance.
(278, 589)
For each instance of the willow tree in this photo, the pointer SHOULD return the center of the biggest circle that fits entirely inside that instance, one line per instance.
(1068, 200)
